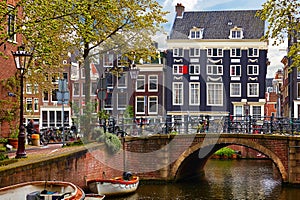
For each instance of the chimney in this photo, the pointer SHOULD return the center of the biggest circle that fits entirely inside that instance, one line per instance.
(179, 8)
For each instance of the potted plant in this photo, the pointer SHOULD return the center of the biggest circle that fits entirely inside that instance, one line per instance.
(13, 138)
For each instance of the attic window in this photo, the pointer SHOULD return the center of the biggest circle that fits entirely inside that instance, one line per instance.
(236, 33)
(196, 33)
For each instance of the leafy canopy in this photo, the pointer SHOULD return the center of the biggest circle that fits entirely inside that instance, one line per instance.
(283, 17)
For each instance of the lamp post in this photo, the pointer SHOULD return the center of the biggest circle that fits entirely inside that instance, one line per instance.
(22, 59)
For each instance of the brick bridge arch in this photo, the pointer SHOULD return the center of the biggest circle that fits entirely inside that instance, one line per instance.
(190, 162)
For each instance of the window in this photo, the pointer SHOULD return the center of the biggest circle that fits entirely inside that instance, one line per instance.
(214, 69)
(83, 89)
(11, 23)
(214, 94)
(108, 60)
(109, 80)
(35, 89)
(178, 69)
(140, 105)
(54, 96)
(298, 73)
(122, 100)
(235, 70)
(153, 83)
(108, 101)
(28, 104)
(82, 73)
(194, 52)
(194, 69)
(236, 33)
(235, 89)
(36, 105)
(76, 89)
(122, 81)
(28, 89)
(214, 52)
(93, 88)
(45, 96)
(153, 105)
(196, 33)
(253, 89)
(256, 112)
(238, 110)
(298, 95)
(252, 52)
(235, 53)
(177, 93)
(178, 52)
(194, 94)
(252, 69)
(140, 83)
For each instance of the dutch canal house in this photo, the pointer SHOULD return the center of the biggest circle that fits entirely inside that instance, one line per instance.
(216, 64)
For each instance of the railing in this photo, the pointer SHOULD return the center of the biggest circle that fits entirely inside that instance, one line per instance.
(203, 124)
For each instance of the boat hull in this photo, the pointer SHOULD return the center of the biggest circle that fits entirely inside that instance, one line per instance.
(112, 187)
(29, 190)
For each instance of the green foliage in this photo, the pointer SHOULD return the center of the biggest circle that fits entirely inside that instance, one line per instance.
(112, 142)
(102, 114)
(3, 140)
(283, 19)
(14, 133)
(3, 156)
(225, 151)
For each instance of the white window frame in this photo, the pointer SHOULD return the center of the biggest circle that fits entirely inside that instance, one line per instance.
(215, 69)
(177, 91)
(76, 93)
(235, 89)
(108, 60)
(154, 100)
(249, 88)
(235, 52)
(255, 69)
(214, 52)
(11, 24)
(178, 52)
(36, 105)
(196, 33)
(217, 98)
(122, 106)
(28, 88)
(152, 80)
(194, 52)
(194, 69)
(139, 99)
(93, 90)
(122, 79)
(140, 81)
(47, 100)
(298, 90)
(236, 33)
(177, 69)
(256, 115)
(194, 93)
(233, 70)
(253, 52)
(29, 102)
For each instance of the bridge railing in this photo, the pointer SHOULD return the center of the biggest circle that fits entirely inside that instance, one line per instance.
(204, 124)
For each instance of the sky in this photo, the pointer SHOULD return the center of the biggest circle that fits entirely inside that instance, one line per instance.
(275, 53)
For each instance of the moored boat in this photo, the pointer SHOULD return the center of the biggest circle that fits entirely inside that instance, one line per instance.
(94, 196)
(42, 190)
(115, 186)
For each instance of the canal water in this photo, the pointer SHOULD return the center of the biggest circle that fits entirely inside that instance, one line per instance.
(224, 179)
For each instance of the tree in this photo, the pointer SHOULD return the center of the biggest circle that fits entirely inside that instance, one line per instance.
(51, 29)
(283, 21)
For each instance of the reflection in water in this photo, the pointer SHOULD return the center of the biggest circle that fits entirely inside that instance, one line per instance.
(224, 179)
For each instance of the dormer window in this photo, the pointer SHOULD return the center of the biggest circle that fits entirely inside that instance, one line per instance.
(196, 33)
(236, 33)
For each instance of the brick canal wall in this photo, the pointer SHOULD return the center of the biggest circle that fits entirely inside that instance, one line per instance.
(74, 166)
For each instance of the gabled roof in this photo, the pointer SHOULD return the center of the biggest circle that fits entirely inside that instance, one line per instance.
(216, 26)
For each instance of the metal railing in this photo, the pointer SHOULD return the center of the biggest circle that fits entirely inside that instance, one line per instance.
(203, 124)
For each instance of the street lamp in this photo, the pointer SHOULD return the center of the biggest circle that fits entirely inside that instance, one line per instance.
(22, 59)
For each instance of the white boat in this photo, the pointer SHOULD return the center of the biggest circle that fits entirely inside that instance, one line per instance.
(94, 197)
(46, 190)
(115, 186)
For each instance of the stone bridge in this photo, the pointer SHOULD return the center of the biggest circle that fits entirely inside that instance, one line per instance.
(176, 157)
